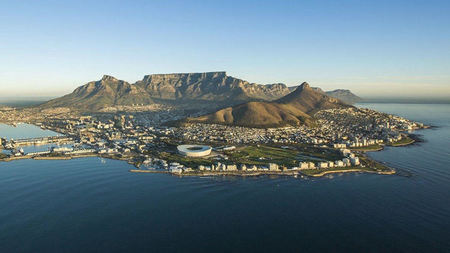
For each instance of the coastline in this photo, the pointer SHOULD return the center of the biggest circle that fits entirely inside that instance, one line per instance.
(269, 173)
(368, 149)
(392, 172)
(52, 158)
(411, 139)
(371, 166)
(407, 140)
(295, 173)
(62, 157)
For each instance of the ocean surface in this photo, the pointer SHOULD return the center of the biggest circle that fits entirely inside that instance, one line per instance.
(24, 131)
(96, 205)
(27, 131)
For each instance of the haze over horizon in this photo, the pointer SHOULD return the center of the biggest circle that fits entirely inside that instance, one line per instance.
(378, 49)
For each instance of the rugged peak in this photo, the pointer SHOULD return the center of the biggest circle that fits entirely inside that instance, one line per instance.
(214, 88)
(299, 89)
(304, 85)
(109, 78)
(296, 108)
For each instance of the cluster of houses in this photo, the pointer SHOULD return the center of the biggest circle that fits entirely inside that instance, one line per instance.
(354, 127)
(358, 127)
(359, 143)
(126, 135)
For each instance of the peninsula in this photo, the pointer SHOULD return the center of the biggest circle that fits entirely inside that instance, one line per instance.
(235, 128)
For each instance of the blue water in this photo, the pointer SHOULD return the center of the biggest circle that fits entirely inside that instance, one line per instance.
(24, 131)
(37, 148)
(96, 205)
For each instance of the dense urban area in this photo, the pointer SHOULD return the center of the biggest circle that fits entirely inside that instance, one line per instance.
(335, 144)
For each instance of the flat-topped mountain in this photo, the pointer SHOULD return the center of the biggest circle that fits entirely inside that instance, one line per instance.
(296, 108)
(208, 90)
(208, 86)
(189, 89)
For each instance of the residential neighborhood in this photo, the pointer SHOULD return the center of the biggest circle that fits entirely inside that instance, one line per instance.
(151, 144)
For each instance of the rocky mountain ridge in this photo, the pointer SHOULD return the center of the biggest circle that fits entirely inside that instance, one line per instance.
(188, 90)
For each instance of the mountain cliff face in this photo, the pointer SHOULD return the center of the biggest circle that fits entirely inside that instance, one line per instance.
(208, 90)
(190, 89)
(296, 108)
(207, 86)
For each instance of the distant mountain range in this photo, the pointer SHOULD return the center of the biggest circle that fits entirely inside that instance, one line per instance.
(296, 108)
(210, 90)
(344, 95)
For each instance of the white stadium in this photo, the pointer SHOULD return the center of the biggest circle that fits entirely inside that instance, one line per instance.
(194, 150)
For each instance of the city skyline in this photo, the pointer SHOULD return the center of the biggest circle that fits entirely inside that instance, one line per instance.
(381, 49)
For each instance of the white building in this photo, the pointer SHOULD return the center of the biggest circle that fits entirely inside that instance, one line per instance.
(231, 167)
(339, 163)
(194, 150)
(354, 161)
(322, 165)
(345, 152)
(273, 166)
(346, 162)
(303, 165)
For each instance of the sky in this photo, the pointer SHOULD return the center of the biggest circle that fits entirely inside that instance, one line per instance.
(374, 48)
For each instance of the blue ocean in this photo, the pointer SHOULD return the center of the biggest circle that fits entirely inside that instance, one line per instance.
(96, 205)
